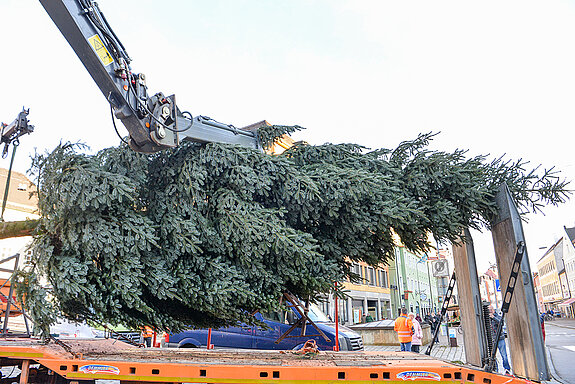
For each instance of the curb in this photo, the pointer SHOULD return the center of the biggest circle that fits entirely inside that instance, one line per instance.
(555, 376)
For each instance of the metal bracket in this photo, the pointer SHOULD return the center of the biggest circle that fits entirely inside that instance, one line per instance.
(303, 320)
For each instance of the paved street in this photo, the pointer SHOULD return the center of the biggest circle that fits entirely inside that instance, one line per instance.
(560, 342)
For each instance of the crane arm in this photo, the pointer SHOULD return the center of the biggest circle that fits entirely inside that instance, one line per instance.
(154, 122)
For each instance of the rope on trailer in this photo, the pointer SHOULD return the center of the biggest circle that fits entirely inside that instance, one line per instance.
(308, 350)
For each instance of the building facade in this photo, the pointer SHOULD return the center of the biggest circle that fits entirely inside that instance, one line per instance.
(369, 296)
(568, 305)
(490, 287)
(381, 292)
(549, 267)
(414, 287)
(20, 205)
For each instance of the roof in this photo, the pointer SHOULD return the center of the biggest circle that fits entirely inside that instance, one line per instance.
(284, 142)
(19, 192)
(255, 126)
(571, 233)
(550, 249)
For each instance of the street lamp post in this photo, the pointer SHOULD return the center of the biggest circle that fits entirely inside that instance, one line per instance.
(398, 287)
(430, 289)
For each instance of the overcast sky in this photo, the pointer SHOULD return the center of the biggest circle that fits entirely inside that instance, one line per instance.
(494, 77)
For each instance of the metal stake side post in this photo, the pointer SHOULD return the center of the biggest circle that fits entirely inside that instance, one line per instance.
(516, 268)
(444, 306)
(470, 301)
(528, 356)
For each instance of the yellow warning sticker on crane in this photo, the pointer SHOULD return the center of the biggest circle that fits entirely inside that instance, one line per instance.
(100, 50)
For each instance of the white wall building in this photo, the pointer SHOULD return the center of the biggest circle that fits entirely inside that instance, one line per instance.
(568, 277)
(20, 205)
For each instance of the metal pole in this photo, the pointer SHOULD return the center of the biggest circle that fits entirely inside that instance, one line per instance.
(209, 343)
(336, 348)
(399, 304)
(495, 291)
(418, 284)
(430, 289)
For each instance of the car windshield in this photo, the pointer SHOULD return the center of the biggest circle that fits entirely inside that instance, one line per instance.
(316, 315)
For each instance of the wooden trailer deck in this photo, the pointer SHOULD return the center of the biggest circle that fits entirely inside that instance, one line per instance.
(91, 359)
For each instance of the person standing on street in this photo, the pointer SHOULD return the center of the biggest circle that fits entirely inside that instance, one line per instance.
(147, 334)
(495, 319)
(417, 334)
(404, 328)
(418, 318)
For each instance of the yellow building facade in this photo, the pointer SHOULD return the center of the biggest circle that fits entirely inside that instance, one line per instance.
(549, 279)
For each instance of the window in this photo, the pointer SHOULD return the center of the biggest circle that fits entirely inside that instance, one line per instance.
(383, 278)
(370, 276)
(354, 269)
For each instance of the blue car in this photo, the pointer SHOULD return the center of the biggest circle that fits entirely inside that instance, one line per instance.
(253, 337)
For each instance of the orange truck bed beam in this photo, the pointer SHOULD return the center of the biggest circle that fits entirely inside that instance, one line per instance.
(154, 365)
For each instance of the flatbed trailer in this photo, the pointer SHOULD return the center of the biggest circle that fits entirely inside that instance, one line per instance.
(90, 360)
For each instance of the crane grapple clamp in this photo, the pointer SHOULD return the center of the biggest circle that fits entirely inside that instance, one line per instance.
(12, 132)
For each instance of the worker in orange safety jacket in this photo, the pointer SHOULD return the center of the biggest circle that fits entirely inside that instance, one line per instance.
(404, 328)
(147, 334)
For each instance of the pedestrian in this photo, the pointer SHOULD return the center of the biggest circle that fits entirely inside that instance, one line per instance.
(147, 334)
(404, 328)
(542, 320)
(418, 318)
(417, 334)
(495, 319)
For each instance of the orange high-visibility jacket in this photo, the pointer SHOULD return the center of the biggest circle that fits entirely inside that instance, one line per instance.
(147, 332)
(403, 326)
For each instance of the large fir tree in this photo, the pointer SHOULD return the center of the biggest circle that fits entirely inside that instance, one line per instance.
(203, 235)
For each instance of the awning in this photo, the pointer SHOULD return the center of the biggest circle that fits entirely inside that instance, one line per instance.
(567, 302)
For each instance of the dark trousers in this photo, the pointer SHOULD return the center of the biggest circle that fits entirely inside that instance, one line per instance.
(415, 348)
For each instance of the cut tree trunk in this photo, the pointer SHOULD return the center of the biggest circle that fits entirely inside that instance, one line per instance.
(10, 229)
